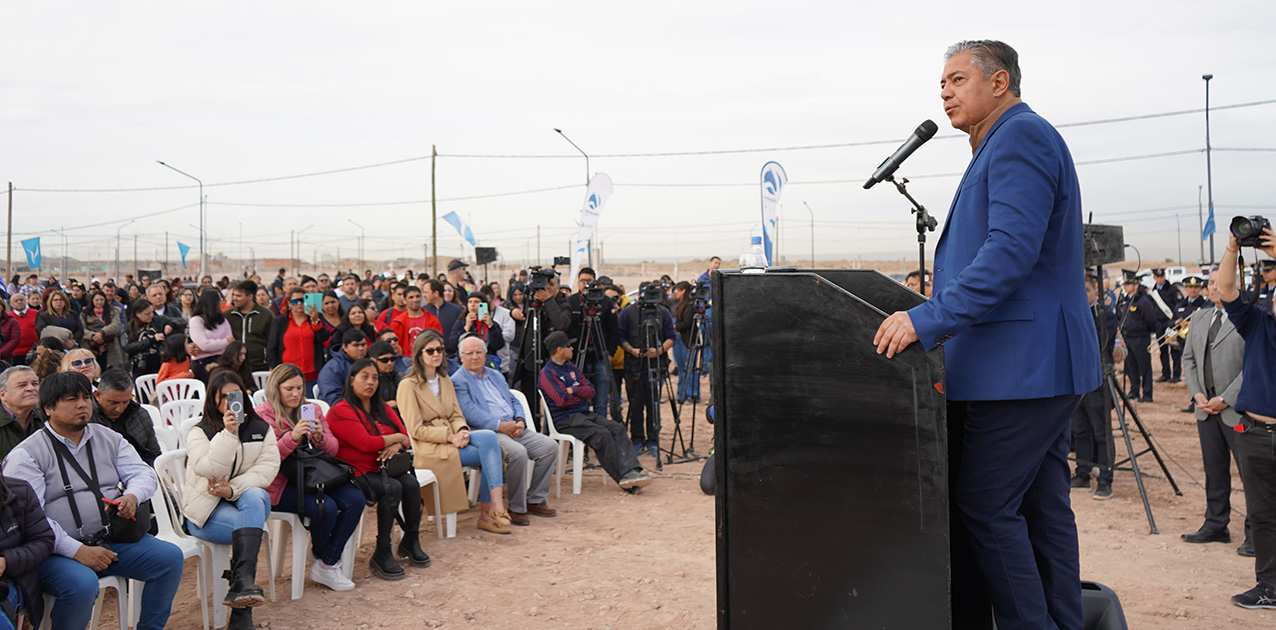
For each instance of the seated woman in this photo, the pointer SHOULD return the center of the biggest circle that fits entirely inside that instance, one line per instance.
(229, 464)
(441, 440)
(26, 540)
(369, 433)
(235, 359)
(82, 361)
(332, 520)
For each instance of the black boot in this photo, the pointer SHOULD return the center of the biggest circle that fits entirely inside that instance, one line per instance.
(241, 619)
(383, 564)
(410, 548)
(245, 544)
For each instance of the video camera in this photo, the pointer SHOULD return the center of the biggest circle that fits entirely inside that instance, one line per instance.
(595, 292)
(1248, 230)
(651, 294)
(701, 291)
(539, 278)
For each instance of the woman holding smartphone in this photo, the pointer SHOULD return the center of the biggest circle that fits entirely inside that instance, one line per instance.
(476, 320)
(334, 519)
(231, 458)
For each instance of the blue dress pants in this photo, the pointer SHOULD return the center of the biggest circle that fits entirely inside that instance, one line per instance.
(150, 560)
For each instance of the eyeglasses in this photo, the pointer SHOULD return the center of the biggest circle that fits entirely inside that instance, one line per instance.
(384, 360)
(433, 350)
(296, 302)
(82, 362)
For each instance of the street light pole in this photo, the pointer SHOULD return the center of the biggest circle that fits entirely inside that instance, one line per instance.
(1209, 171)
(117, 249)
(203, 264)
(296, 259)
(362, 263)
(590, 250)
(808, 209)
(1200, 218)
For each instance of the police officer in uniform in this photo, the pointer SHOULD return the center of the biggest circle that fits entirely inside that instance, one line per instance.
(1171, 361)
(1192, 285)
(1138, 322)
(1265, 294)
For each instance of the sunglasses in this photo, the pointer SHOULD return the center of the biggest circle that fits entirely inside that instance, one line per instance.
(384, 360)
(434, 350)
(296, 302)
(82, 362)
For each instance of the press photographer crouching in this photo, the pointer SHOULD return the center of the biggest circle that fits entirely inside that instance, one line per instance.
(97, 528)
(1256, 445)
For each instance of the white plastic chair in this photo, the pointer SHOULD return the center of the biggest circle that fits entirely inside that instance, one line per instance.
(260, 379)
(179, 389)
(145, 388)
(184, 428)
(175, 411)
(301, 549)
(171, 469)
(116, 582)
(258, 397)
(169, 519)
(564, 440)
(322, 404)
(165, 434)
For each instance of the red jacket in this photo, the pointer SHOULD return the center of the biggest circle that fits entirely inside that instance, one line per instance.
(26, 324)
(406, 336)
(358, 436)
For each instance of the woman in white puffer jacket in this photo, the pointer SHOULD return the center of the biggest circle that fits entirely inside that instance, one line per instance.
(228, 466)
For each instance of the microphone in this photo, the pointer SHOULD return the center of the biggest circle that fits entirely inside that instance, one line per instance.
(924, 132)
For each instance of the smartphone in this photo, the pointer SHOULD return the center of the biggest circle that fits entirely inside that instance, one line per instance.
(314, 300)
(308, 412)
(235, 403)
(482, 310)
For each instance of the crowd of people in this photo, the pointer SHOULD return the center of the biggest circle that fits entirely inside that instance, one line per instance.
(377, 376)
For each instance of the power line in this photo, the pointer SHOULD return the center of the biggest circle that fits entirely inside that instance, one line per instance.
(393, 203)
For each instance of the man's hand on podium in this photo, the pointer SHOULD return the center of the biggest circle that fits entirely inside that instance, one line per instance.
(895, 333)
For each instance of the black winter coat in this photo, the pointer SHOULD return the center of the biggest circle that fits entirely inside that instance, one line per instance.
(26, 540)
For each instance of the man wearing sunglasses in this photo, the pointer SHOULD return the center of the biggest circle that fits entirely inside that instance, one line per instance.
(402, 364)
(386, 356)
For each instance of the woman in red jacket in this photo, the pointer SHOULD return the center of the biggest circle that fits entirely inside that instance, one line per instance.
(10, 333)
(369, 434)
(298, 337)
(25, 316)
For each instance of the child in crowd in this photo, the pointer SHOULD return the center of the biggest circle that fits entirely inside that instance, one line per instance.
(177, 364)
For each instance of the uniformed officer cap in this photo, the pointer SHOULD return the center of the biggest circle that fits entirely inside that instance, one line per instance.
(1193, 281)
(1266, 265)
(1158, 272)
(1129, 277)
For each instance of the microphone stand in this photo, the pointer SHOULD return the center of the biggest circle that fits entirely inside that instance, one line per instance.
(925, 223)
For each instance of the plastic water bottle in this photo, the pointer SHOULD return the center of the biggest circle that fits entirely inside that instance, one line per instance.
(754, 260)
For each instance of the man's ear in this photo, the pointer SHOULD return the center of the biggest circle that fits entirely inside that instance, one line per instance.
(1000, 83)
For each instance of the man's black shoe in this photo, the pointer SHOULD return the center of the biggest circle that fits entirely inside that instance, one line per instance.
(1079, 483)
(1204, 536)
(1257, 597)
(1145, 399)
(1246, 549)
(1103, 491)
(1176, 380)
(1163, 379)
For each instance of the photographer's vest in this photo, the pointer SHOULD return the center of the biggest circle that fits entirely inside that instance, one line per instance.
(56, 503)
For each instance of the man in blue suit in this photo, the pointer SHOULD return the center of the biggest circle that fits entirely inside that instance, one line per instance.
(1010, 309)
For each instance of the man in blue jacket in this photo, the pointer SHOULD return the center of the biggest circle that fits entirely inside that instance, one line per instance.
(1009, 307)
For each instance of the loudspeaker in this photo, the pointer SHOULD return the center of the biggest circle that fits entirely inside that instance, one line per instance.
(484, 255)
(1101, 608)
(1103, 244)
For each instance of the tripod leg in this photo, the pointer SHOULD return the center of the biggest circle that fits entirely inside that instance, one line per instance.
(1138, 422)
(1129, 447)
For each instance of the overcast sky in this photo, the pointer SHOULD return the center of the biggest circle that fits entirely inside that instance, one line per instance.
(94, 94)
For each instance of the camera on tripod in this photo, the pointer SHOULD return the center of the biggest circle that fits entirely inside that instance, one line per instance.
(539, 278)
(651, 294)
(1248, 230)
(701, 291)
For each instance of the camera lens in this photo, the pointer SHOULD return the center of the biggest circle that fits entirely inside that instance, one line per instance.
(1242, 227)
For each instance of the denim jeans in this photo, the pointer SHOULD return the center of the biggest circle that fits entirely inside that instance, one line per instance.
(600, 378)
(249, 510)
(342, 508)
(15, 601)
(483, 451)
(150, 560)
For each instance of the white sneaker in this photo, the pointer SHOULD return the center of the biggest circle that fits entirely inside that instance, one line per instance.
(330, 576)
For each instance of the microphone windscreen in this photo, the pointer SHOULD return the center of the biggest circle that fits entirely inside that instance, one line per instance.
(926, 130)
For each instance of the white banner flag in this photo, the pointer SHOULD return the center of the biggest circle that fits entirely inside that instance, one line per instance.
(596, 195)
(773, 180)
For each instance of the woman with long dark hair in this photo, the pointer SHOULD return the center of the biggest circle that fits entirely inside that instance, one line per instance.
(370, 436)
(235, 359)
(57, 311)
(101, 323)
(356, 318)
(186, 300)
(684, 314)
(331, 313)
(469, 323)
(145, 339)
(230, 460)
(298, 337)
(209, 332)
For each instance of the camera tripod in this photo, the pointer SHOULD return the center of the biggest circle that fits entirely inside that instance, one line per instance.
(691, 371)
(656, 378)
(536, 356)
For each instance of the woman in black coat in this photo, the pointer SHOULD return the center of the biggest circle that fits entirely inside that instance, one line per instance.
(25, 541)
(57, 311)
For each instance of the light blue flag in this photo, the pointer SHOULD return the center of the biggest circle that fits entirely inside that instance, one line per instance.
(1209, 225)
(32, 247)
(183, 248)
(461, 227)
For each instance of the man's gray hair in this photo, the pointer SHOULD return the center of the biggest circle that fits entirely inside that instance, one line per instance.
(990, 55)
(4, 376)
(115, 380)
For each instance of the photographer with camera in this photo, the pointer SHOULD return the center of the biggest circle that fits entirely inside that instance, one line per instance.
(594, 323)
(97, 526)
(547, 311)
(646, 334)
(1256, 402)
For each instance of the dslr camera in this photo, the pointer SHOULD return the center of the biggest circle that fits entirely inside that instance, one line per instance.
(1248, 230)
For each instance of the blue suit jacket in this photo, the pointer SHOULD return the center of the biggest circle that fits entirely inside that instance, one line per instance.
(1010, 306)
(474, 404)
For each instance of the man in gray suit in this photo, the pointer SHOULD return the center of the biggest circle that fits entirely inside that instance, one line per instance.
(1212, 358)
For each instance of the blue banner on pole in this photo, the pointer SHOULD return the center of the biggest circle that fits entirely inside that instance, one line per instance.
(773, 180)
(32, 247)
(461, 227)
(183, 248)
(1209, 225)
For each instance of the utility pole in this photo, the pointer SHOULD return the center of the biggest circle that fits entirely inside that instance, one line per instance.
(135, 265)
(118, 277)
(163, 271)
(8, 250)
(434, 217)
(1209, 172)
(425, 255)
(538, 244)
(1200, 218)
(808, 208)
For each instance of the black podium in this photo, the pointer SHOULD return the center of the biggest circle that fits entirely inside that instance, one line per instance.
(832, 500)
